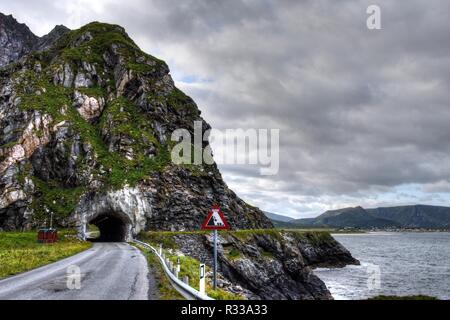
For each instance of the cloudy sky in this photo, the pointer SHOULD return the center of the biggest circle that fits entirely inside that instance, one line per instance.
(364, 114)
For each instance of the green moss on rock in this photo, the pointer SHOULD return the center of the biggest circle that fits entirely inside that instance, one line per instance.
(180, 102)
(121, 120)
(54, 198)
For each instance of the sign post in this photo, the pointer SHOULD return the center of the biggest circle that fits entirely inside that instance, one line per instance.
(215, 261)
(215, 221)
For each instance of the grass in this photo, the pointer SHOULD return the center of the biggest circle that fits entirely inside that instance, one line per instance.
(233, 253)
(62, 201)
(166, 238)
(165, 289)
(314, 237)
(157, 238)
(180, 101)
(417, 297)
(96, 92)
(8, 145)
(121, 117)
(104, 36)
(20, 252)
(188, 266)
(128, 121)
(94, 231)
(247, 235)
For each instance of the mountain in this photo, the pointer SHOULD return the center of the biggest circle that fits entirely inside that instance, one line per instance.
(417, 216)
(85, 133)
(16, 40)
(350, 218)
(86, 120)
(50, 39)
(278, 217)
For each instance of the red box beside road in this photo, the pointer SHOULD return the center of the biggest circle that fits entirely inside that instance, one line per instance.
(47, 236)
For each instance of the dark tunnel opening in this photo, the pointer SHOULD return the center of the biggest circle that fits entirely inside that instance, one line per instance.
(111, 229)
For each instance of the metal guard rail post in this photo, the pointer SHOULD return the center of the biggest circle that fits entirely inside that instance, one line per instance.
(184, 289)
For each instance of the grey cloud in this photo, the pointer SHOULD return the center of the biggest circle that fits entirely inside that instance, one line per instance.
(361, 113)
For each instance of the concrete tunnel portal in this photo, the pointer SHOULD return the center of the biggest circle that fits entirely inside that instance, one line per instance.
(112, 228)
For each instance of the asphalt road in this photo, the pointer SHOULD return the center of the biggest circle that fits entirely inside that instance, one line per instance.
(107, 271)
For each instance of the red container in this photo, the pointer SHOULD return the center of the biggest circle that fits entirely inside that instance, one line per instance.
(41, 235)
(47, 236)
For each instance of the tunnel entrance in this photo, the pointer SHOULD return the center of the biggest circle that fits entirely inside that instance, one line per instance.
(110, 229)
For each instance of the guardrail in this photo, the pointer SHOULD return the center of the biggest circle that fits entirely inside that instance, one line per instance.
(183, 288)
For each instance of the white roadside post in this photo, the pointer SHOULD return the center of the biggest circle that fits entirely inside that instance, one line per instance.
(160, 249)
(202, 285)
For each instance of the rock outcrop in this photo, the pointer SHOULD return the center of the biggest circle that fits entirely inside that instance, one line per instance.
(50, 39)
(86, 120)
(264, 264)
(17, 40)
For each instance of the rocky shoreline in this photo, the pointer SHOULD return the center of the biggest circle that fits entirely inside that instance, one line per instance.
(264, 264)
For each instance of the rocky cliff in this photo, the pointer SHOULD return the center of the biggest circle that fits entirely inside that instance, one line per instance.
(86, 119)
(263, 264)
(16, 40)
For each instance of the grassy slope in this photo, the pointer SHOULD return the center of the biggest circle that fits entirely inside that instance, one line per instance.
(165, 289)
(113, 170)
(189, 265)
(20, 252)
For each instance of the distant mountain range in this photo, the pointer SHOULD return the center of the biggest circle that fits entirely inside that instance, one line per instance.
(416, 216)
(278, 217)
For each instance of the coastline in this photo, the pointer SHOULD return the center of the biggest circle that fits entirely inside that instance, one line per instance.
(407, 264)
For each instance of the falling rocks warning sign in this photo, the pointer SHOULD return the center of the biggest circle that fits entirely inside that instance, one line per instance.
(215, 220)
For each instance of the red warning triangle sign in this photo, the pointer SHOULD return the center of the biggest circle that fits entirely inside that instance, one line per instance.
(215, 220)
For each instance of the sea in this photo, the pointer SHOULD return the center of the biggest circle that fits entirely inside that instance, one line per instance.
(398, 263)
